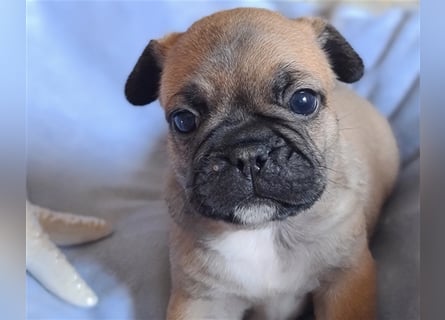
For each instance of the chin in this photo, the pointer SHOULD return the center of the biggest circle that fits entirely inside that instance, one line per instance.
(255, 212)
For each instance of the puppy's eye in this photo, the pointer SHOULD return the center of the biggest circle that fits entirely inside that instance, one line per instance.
(304, 102)
(184, 121)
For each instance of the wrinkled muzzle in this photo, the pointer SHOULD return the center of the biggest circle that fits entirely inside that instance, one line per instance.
(252, 174)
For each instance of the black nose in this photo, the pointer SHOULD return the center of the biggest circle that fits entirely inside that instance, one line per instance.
(249, 159)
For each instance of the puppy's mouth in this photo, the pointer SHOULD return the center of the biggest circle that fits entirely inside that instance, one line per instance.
(255, 181)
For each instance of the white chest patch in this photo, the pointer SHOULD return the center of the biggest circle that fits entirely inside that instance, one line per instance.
(251, 261)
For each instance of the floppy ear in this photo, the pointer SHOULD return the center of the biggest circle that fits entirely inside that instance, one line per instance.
(345, 62)
(142, 85)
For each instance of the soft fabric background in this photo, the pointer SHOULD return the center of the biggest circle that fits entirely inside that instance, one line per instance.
(90, 152)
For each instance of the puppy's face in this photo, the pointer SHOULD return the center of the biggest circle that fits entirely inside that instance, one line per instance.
(246, 94)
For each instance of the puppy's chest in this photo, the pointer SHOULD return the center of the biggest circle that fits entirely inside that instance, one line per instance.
(251, 263)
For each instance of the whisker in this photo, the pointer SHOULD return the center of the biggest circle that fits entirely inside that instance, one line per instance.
(348, 114)
(349, 128)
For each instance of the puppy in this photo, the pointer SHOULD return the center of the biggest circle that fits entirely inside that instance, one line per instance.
(279, 171)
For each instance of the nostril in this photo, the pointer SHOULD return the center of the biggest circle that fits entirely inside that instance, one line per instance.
(240, 165)
(260, 161)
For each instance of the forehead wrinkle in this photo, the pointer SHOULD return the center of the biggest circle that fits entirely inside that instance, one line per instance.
(287, 72)
(196, 90)
(286, 75)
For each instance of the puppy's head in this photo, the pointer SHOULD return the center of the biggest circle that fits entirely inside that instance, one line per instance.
(246, 94)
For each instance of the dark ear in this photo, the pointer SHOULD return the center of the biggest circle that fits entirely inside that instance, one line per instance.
(345, 62)
(142, 85)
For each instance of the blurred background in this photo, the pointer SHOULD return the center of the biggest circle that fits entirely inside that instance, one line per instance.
(90, 152)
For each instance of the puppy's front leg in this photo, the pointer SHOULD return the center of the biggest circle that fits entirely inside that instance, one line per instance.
(183, 307)
(351, 295)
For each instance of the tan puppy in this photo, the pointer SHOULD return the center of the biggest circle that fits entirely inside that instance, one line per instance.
(278, 171)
